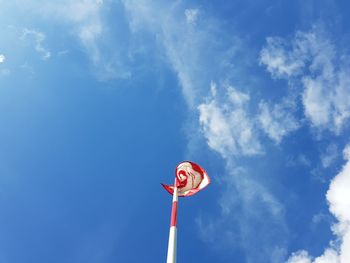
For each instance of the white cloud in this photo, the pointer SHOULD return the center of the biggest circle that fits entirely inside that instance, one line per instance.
(329, 256)
(338, 194)
(300, 257)
(86, 17)
(227, 126)
(279, 121)
(216, 129)
(281, 63)
(299, 160)
(86, 21)
(303, 160)
(329, 156)
(38, 38)
(312, 60)
(164, 22)
(319, 217)
(236, 97)
(2, 58)
(196, 55)
(338, 197)
(191, 15)
(316, 104)
(62, 53)
(346, 152)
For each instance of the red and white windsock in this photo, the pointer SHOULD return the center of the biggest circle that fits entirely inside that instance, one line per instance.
(190, 178)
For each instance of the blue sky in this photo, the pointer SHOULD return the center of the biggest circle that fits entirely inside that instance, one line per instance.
(100, 99)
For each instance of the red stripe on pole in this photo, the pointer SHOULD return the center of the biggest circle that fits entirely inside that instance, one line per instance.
(173, 220)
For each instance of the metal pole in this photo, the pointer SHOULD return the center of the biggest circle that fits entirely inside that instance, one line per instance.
(171, 258)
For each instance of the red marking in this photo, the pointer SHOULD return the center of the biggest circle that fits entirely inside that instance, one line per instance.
(173, 219)
(198, 169)
(169, 188)
(179, 183)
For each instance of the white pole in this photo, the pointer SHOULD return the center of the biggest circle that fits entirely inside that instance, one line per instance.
(171, 258)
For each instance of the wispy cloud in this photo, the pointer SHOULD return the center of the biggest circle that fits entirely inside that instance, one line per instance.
(191, 15)
(329, 156)
(226, 124)
(183, 38)
(2, 58)
(279, 61)
(38, 38)
(3, 71)
(277, 121)
(86, 20)
(177, 41)
(299, 160)
(312, 61)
